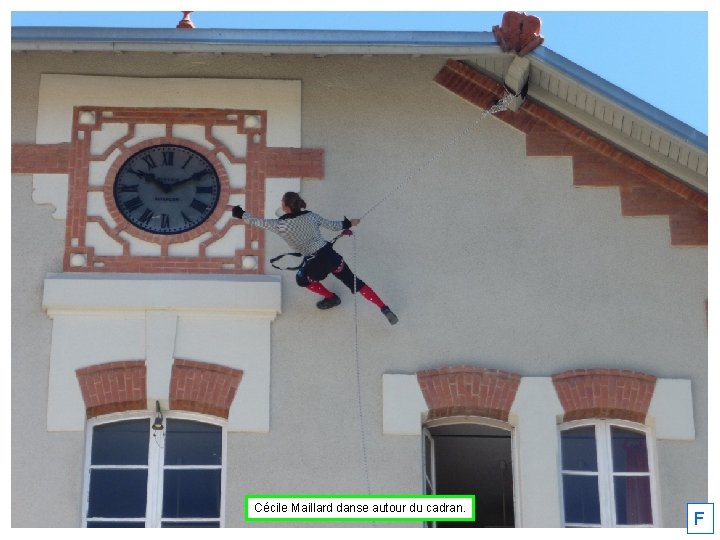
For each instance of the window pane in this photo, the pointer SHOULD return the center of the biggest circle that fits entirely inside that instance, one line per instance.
(117, 493)
(191, 493)
(629, 450)
(116, 524)
(578, 449)
(632, 500)
(121, 443)
(581, 498)
(191, 524)
(192, 443)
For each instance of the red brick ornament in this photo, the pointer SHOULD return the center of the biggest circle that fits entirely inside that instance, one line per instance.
(518, 32)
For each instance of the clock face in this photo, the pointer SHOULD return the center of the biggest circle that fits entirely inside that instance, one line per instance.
(166, 189)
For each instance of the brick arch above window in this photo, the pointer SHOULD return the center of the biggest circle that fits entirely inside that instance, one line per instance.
(604, 393)
(468, 390)
(203, 387)
(113, 387)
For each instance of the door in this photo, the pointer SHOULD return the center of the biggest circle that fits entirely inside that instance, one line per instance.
(476, 459)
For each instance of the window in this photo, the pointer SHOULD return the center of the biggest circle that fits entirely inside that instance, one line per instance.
(607, 478)
(140, 477)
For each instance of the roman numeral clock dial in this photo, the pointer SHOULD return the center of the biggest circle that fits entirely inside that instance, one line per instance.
(166, 189)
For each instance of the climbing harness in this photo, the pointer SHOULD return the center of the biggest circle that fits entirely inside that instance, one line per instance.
(306, 259)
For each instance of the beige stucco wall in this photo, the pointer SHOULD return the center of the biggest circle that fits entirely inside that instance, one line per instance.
(487, 256)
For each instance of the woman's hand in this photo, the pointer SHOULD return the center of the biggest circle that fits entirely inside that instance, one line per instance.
(355, 222)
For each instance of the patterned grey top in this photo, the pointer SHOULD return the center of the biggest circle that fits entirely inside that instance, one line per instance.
(300, 230)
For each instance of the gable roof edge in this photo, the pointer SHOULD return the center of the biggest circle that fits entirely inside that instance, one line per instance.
(623, 98)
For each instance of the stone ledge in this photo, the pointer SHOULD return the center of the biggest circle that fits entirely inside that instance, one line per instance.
(259, 296)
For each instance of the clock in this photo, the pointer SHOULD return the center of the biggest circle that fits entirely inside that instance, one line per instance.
(151, 189)
(166, 189)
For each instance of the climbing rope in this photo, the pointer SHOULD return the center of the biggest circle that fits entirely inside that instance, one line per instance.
(500, 105)
(363, 442)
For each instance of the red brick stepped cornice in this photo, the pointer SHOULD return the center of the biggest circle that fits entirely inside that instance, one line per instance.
(469, 84)
(614, 154)
(644, 189)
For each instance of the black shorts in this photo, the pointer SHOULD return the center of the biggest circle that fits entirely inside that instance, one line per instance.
(321, 264)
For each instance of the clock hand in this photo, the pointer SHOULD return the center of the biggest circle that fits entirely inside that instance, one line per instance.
(192, 177)
(164, 184)
(147, 176)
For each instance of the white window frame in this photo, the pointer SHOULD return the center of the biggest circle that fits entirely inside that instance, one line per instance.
(155, 466)
(605, 474)
(428, 480)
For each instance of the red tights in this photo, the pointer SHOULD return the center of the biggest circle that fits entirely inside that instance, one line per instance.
(365, 291)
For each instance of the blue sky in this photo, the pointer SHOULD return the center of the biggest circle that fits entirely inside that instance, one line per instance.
(660, 57)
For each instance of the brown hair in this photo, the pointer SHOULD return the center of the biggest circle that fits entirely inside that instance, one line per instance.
(293, 201)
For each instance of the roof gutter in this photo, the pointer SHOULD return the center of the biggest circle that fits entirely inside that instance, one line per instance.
(250, 41)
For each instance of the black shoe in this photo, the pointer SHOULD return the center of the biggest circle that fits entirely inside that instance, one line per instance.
(391, 317)
(327, 303)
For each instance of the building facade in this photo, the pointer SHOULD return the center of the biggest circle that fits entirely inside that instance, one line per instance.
(547, 262)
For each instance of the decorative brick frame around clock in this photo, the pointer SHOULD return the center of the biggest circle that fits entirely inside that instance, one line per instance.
(260, 162)
(74, 158)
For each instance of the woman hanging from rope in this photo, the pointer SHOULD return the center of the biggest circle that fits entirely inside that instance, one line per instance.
(300, 228)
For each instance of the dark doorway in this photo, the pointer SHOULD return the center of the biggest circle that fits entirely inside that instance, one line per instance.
(475, 459)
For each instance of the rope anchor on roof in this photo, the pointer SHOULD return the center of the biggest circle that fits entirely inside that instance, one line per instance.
(517, 82)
